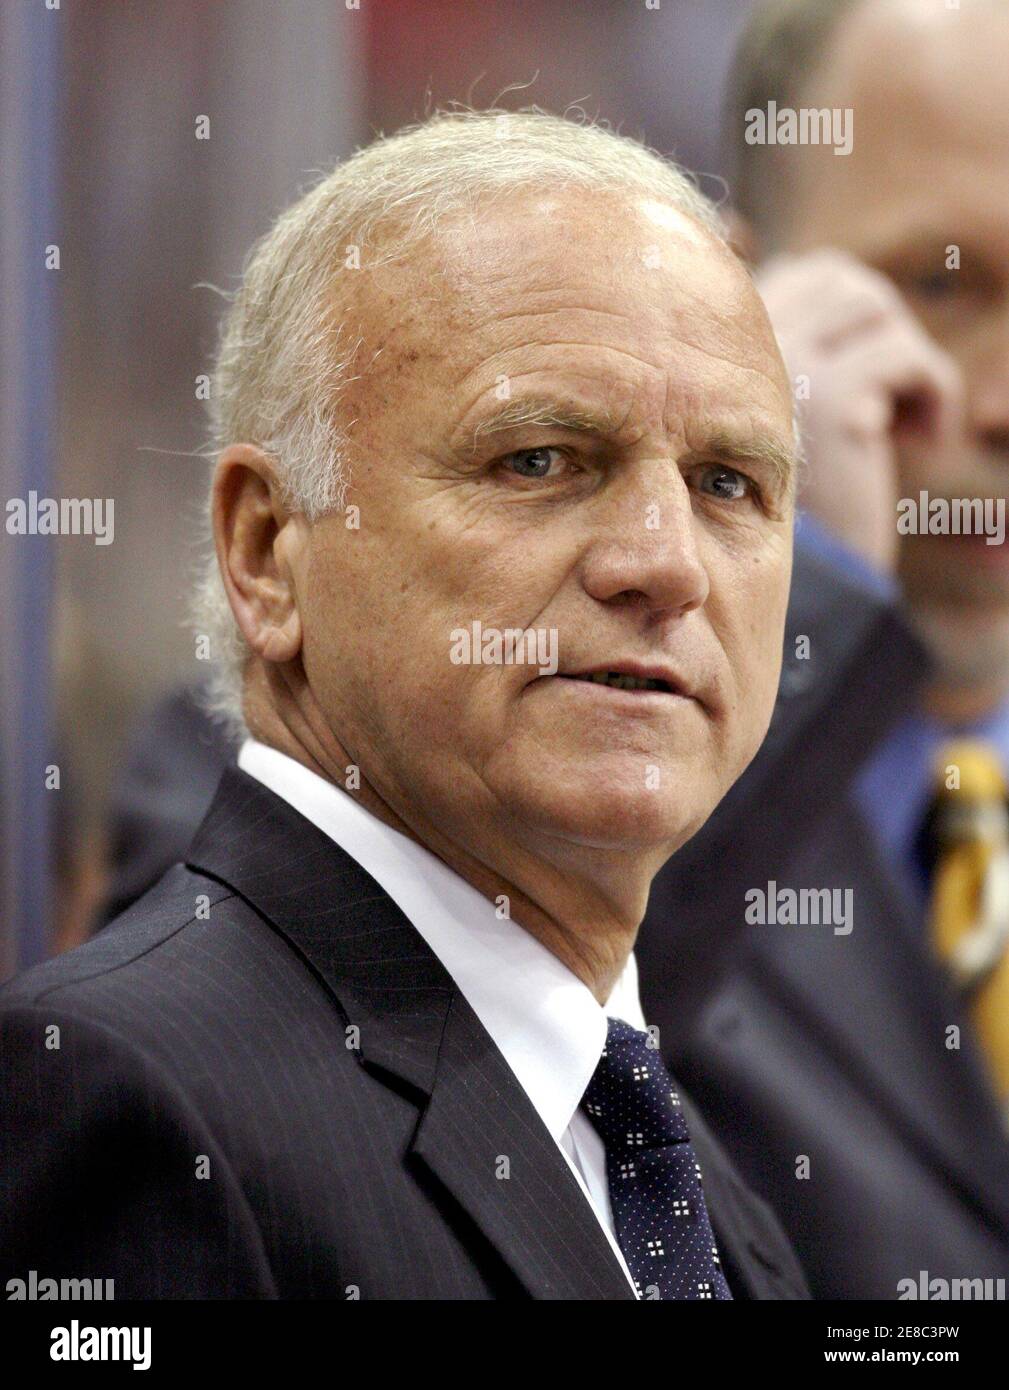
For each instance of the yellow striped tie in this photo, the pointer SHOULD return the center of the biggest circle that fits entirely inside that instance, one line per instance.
(969, 910)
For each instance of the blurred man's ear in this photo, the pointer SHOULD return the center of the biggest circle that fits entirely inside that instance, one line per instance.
(740, 234)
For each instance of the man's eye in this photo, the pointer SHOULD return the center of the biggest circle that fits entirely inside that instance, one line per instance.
(939, 285)
(725, 483)
(534, 463)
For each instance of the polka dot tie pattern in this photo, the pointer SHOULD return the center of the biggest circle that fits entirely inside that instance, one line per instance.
(661, 1221)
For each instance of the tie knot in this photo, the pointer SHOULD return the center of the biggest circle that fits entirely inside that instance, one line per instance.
(631, 1098)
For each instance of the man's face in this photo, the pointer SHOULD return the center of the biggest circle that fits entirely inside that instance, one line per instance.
(648, 529)
(930, 172)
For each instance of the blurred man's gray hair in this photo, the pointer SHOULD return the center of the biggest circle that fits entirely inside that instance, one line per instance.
(782, 49)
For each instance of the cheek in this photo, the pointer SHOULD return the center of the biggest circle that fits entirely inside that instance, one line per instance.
(925, 463)
(382, 624)
(753, 639)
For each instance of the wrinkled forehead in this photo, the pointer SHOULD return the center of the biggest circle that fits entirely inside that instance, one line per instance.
(567, 274)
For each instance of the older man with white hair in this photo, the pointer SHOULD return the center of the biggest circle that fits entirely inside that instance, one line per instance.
(502, 515)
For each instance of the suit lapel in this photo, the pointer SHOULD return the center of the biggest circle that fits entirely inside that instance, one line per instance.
(484, 1141)
(478, 1132)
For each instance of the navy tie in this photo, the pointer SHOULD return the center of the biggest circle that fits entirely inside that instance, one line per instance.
(661, 1221)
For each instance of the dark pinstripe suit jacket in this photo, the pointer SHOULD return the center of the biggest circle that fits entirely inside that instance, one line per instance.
(266, 1085)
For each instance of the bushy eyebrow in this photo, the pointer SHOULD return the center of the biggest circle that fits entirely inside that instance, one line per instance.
(764, 452)
(539, 411)
(547, 413)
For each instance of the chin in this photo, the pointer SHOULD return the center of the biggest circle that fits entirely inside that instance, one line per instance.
(968, 647)
(618, 816)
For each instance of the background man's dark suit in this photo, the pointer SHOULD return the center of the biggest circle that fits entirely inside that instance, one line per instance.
(222, 1039)
(829, 1046)
(794, 1040)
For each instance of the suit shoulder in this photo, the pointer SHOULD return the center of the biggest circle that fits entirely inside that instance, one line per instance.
(106, 1119)
(191, 980)
(130, 948)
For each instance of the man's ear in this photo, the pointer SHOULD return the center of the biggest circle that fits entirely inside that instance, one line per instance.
(257, 542)
(741, 235)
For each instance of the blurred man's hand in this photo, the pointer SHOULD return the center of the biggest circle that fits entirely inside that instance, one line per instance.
(873, 372)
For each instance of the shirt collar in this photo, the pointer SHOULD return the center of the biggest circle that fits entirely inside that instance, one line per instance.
(546, 1023)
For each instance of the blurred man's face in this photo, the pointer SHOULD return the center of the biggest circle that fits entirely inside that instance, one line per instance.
(648, 529)
(929, 171)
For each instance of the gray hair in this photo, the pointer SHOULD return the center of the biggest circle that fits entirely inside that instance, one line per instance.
(286, 351)
(783, 46)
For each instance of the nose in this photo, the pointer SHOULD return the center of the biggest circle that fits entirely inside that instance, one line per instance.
(644, 552)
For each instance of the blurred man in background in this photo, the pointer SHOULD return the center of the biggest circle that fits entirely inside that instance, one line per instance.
(873, 1066)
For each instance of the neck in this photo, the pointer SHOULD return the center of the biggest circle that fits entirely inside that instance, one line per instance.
(583, 905)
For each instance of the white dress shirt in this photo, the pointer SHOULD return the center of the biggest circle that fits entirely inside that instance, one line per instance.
(546, 1023)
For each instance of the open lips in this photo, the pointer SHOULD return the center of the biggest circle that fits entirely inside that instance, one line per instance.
(621, 681)
(655, 676)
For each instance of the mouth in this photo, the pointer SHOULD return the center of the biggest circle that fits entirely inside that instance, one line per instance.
(977, 550)
(619, 680)
(980, 540)
(631, 676)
